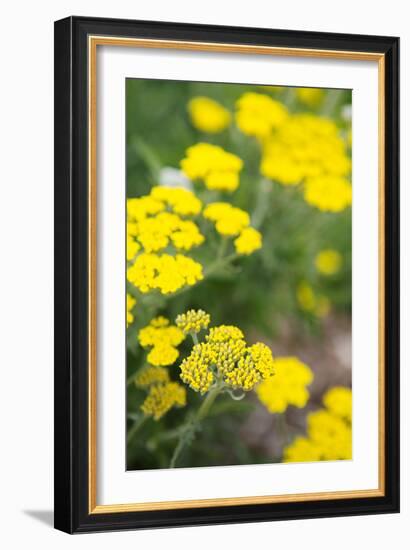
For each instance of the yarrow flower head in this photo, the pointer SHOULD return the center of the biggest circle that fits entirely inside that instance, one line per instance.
(229, 220)
(308, 148)
(311, 302)
(329, 431)
(224, 359)
(287, 387)
(248, 241)
(162, 397)
(164, 339)
(328, 193)
(193, 321)
(208, 115)
(163, 272)
(259, 114)
(328, 262)
(151, 375)
(218, 169)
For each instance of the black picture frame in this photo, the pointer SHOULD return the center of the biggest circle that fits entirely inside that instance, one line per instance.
(72, 276)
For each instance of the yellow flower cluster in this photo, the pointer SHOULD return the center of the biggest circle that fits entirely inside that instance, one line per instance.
(131, 301)
(163, 338)
(231, 221)
(338, 401)
(308, 148)
(151, 375)
(216, 167)
(328, 193)
(208, 115)
(312, 97)
(309, 301)
(329, 431)
(155, 222)
(162, 397)
(259, 114)
(328, 262)
(248, 241)
(225, 358)
(163, 272)
(287, 387)
(193, 321)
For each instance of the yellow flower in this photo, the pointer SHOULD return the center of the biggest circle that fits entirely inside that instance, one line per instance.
(162, 355)
(312, 97)
(139, 209)
(162, 397)
(160, 331)
(248, 241)
(131, 301)
(195, 369)
(226, 359)
(229, 220)
(328, 262)
(328, 193)
(311, 302)
(163, 272)
(181, 201)
(304, 146)
(258, 114)
(207, 115)
(187, 235)
(151, 375)
(338, 400)
(287, 387)
(306, 297)
(329, 431)
(193, 321)
(224, 333)
(217, 168)
(302, 449)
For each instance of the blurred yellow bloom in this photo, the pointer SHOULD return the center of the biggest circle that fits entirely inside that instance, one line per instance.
(140, 208)
(162, 397)
(164, 339)
(151, 375)
(225, 358)
(160, 331)
(217, 168)
(193, 321)
(181, 201)
(312, 97)
(208, 115)
(304, 146)
(329, 431)
(131, 301)
(328, 193)
(229, 220)
(306, 296)
(163, 272)
(311, 302)
(248, 241)
(328, 262)
(287, 387)
(338, 400)
(259, 114)
(162, 355)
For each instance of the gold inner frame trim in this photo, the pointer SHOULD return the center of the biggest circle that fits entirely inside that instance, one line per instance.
(93, 42)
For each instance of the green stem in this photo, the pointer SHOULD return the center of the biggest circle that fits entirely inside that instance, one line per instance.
(200, 415)
(135, 427)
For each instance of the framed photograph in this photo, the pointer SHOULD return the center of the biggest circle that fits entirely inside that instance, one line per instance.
(226, 274)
